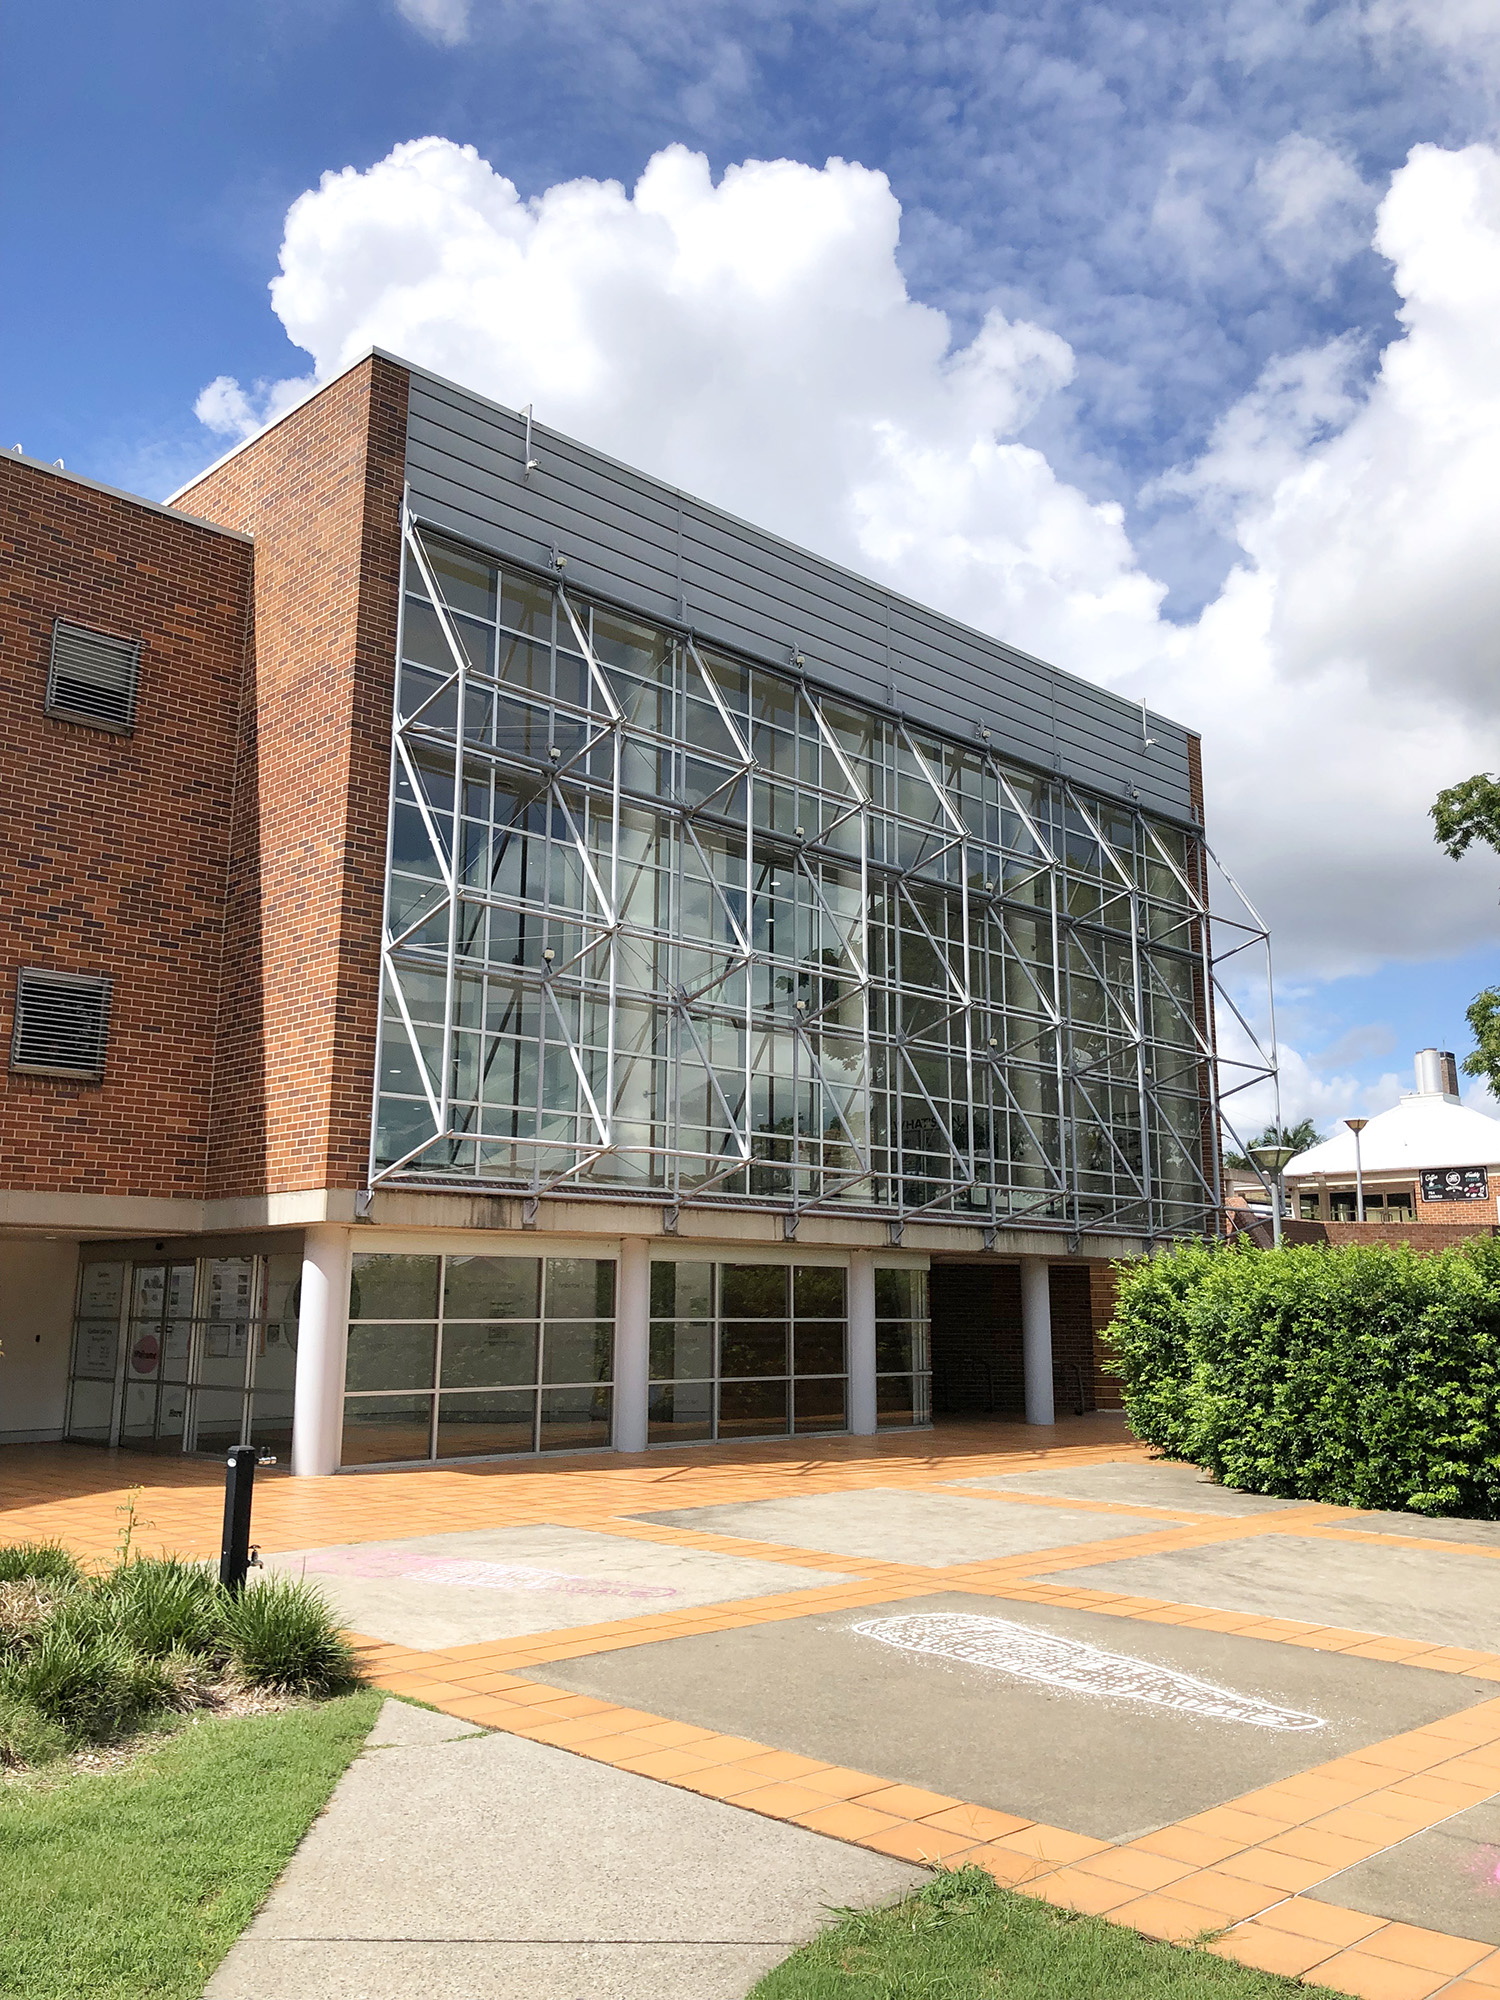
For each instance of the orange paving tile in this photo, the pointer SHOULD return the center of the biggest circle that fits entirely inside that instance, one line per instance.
(1367, 1978)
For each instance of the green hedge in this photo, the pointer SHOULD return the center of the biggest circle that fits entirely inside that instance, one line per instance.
(1367, 1376)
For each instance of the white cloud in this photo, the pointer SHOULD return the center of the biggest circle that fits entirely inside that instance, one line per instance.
(233, 412)
(753, 340)
(445, 22)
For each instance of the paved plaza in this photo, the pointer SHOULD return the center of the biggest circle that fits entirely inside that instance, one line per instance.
(687, 1701)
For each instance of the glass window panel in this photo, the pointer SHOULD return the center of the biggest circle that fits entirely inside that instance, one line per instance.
(145, 1351)
(818, 1347)
(96, 1350)
(491, 1288)
(466, 585)
(93, 1411)
(148, 1291)
(386, 1429)
(753, 1291)
(225, 1352)
(393, 1287)
(893, 1347)
(492, 1421)
(483, 1357)
(578, 1351)
(681, 1291)
(819, 1405)
(681, 1412)
(580, 1288)
(391, 1357)
(574, 1419)
(894, 1403)
(100, 1291)
(682, 1350)
(752, 1409)
(895, 1294)
(138, 1418)
(271, 1420)
(231, 1288)
(220, 1418)
(526, 607)
(817, 1292)
(752, 1348)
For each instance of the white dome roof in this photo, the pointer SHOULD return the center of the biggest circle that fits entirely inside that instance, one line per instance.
(1423, 1130)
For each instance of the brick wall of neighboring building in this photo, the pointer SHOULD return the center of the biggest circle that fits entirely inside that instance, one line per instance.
(321, 493)
(977, 1366)
(113, 848)
(1470, 1215)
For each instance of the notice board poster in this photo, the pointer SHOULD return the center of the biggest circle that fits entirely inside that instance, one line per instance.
(1456, 1184)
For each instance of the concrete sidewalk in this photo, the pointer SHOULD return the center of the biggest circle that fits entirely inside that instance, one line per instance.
(465, 1866)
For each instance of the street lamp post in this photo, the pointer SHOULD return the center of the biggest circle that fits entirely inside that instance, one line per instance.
(1273, 1159)
(1356, 1126)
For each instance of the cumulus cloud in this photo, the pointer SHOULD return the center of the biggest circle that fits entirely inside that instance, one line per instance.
(236, 413)
(1318, 205)
(753, 340)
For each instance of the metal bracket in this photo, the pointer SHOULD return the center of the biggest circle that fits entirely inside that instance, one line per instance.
(989, 1238)
(1074, 1241)
(364, 1201)
(789, 1227)
(894, 1232)
(670, 1217)
(530, 1209)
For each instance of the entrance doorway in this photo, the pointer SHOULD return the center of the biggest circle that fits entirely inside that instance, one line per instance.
(977, 1365)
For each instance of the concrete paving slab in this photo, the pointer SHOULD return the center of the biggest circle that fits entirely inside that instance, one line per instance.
(885, 1524)
(1445, 1879)
(1136, 1483)
(401, 1725)
(497, 1869)
(433, 1591)
(1425, 1527)
(1448, 1600)
(1064, 1745)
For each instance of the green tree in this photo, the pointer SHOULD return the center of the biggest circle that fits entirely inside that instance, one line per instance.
(1303, 1135)
(1461, 815)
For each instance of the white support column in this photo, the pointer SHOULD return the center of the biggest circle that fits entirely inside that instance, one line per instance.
(1036, 1339)
(322, 1342)
(632, 1344)
(862, 1409)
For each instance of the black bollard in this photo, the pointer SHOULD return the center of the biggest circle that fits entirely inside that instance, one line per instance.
(239, 1489)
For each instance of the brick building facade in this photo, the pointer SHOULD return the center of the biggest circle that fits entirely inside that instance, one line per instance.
(187, 1226)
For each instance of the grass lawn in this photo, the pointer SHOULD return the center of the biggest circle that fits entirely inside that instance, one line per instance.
(963, 1938)
(132, 1884)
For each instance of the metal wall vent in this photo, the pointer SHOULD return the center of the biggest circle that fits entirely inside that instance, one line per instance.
(62, 1023)
(92, 677)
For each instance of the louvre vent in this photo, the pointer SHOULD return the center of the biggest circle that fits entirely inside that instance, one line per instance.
(92, 677)
(62, 1023)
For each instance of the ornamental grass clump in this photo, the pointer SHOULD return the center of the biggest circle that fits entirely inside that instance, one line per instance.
(85, 1658)
(1364, 1375)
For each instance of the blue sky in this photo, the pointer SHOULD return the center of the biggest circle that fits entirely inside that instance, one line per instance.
(1185, 195)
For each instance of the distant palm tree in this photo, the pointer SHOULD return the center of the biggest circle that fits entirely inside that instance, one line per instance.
(1301, 1136)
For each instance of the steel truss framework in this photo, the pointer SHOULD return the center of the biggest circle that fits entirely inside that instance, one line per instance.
(666, 924)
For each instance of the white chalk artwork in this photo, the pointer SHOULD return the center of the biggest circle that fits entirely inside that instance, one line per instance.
(1032, 1655)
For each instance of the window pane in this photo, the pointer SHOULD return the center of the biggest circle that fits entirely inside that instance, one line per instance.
(271, 1420)
(574, 1419)
(393, 1287)
(225, 1351)
(96, 1350)
(682, 1350)
(818, 1347)
(819, 1405)
(378, 1429)
(753, 1348)
(753, 1291)
(482, 1357)
(391, 1357)
(221, 1419)
(681, 1291)
(93, 1411)
(466, 585)
(580, 1352)
(893, 1345)
(495, 1420)
(893, 1400)
(580, 1288)
(681, 1412)
(895, 1294)
(818, 1293)
(752, 1409)
(99, 1291)
(491, 1288)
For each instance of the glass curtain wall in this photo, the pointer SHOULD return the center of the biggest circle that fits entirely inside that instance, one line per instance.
(747, 1350)
(659, 921)
(903, 1351)
(189, 1354)
(465, 1357)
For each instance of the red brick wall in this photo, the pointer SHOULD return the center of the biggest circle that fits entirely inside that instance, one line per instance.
(321, 493)
(113, 848)
(977, 1366)
(1102, 1290)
